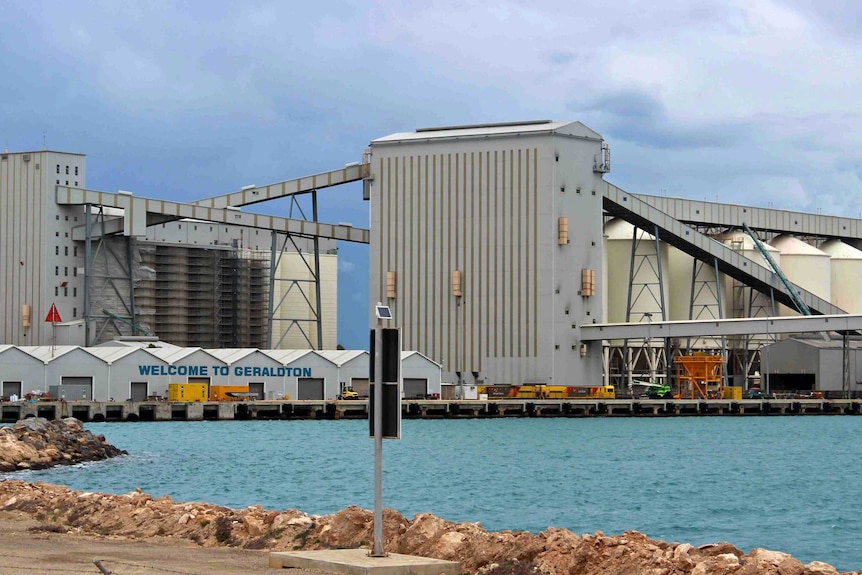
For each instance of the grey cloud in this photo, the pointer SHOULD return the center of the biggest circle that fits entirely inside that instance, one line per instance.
(643, 119)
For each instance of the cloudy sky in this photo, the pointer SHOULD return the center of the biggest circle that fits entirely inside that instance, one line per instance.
(753, 102)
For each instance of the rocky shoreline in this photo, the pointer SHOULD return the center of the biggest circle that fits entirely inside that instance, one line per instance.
(37, 443)
(138, 515)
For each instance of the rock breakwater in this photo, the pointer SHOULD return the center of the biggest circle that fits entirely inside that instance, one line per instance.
(553, 551)
(37, 443)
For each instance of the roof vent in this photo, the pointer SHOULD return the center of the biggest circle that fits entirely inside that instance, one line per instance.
(26, 157)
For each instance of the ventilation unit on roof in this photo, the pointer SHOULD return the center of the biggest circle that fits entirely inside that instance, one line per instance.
(26, 157)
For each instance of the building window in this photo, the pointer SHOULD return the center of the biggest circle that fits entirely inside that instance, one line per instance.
(58, 170)
(67, 234)
(74, 292)
(58, 215)
(67, 170)
(56, 270)
(75, 272)
(65, 292)
(66, 251)
(75, 251)
(76, 183)
(58, 182)
(56, 250)
(76, 170)
(56, 291)
(66, 271)
(74, 312)
(57, 234)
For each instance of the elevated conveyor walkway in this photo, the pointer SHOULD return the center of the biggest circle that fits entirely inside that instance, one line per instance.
(631, 208)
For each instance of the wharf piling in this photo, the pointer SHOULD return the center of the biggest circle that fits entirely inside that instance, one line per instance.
(98, 411)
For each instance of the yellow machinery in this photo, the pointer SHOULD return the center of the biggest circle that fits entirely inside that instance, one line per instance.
(187, 392)
(542, 391)
(700, 376)
(223, 392)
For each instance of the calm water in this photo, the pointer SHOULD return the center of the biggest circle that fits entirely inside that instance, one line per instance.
(784, 483)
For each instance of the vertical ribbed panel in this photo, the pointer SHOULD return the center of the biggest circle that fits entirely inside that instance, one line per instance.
(456, 219)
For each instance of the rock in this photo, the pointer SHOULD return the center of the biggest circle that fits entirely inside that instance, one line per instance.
(791, 566)
(766, 556)
(818, 568)
(254, 526)
(37, 443)
(551, 552)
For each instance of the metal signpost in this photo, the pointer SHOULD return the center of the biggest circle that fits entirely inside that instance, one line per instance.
(53, 317)
(385, 407)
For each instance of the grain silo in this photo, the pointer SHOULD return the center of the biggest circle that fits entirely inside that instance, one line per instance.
(846, 268)
(740, 300)
(804, 265)
(647, 292)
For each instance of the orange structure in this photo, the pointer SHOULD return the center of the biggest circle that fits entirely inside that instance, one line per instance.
(699, 376)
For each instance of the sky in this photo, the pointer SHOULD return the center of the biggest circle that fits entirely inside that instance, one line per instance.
(750, 102)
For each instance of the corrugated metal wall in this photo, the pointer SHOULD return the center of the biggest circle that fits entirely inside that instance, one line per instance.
(475, 212)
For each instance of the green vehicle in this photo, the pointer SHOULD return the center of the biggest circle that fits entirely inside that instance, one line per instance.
(656, 390)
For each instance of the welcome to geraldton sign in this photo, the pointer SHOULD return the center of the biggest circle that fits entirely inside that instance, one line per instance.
(223, 370)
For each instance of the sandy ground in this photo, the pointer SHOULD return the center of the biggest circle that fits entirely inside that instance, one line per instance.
(24, 550)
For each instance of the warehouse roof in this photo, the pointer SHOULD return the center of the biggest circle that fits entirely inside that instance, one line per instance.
(341, 356)
(485, 130)
(408, 354)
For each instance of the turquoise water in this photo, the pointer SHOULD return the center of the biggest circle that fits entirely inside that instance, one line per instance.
(784, 483)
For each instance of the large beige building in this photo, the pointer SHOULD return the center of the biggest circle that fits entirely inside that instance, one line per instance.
(486, 243)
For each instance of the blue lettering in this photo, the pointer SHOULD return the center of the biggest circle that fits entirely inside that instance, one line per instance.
(144, 369)
(193, 369)
(172, 370)
(306, 372)
(255, 372)
(237, 371)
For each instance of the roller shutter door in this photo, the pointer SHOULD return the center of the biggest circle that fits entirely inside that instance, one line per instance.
(415, 388)
(360, 385)
(310, 388)
(256, 388)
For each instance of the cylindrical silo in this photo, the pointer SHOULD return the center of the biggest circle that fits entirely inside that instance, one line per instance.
(846, 271)
(741, 301)
(646, 292)
(805, 266)
(693, 290)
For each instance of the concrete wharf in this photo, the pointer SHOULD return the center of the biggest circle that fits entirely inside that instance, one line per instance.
(98, 411)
